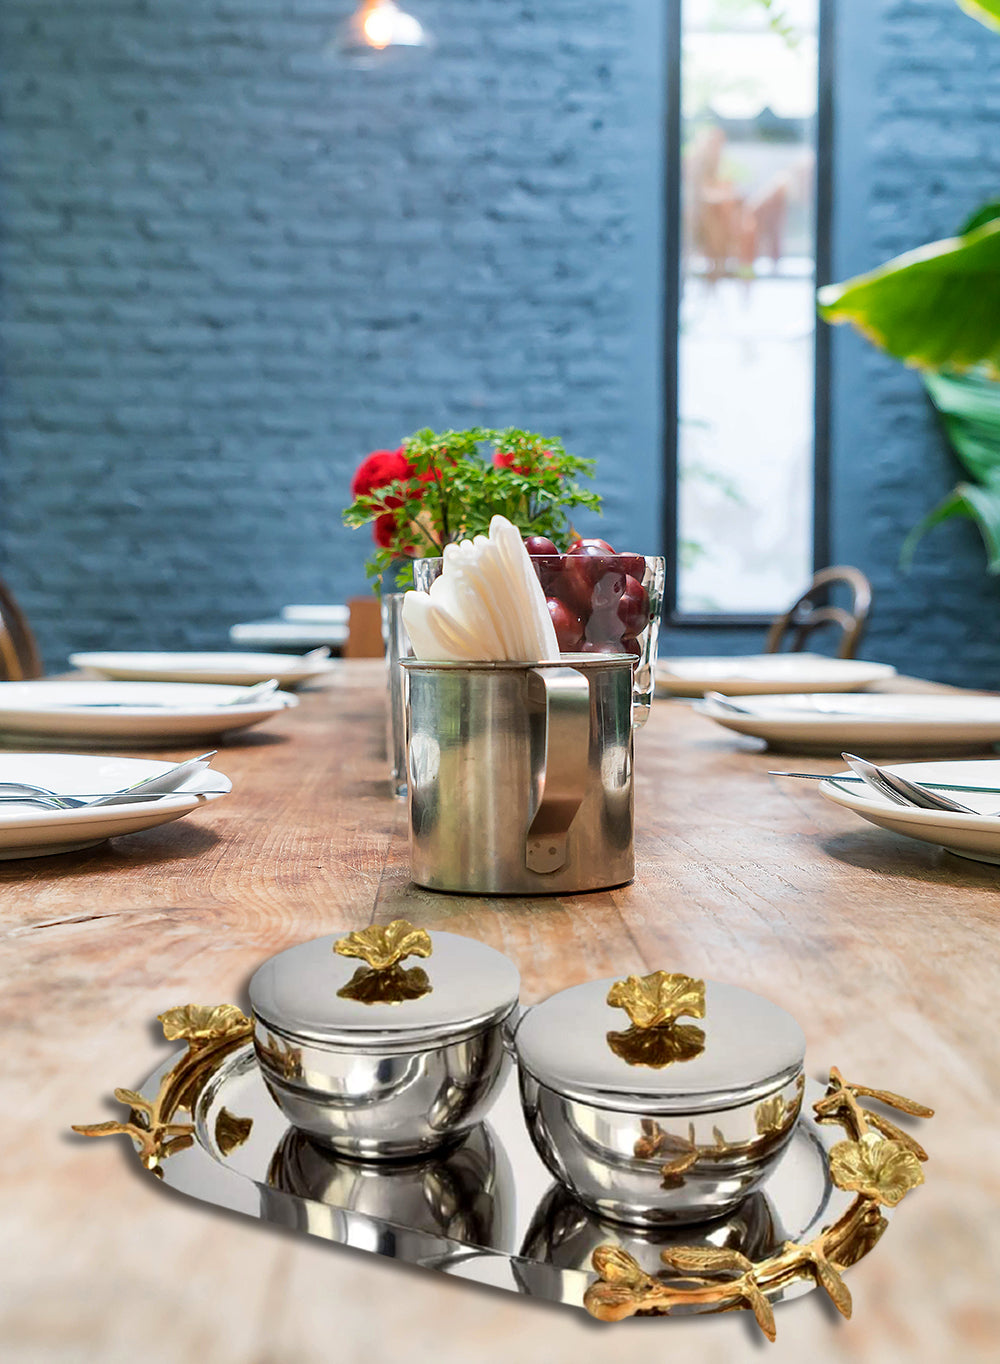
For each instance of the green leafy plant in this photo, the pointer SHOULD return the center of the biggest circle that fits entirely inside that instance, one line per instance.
(969, 405)
(986, 11)
(445, 486)
(935, 306)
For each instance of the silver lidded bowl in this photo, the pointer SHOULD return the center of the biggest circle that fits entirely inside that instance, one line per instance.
(653, 1121)
(378, 1060)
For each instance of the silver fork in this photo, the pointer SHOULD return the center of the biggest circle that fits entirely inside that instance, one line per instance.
(164, 784)
(900, 790)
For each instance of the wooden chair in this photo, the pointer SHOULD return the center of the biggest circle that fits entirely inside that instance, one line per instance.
(803, 617)
(364, 630)
(19, 656)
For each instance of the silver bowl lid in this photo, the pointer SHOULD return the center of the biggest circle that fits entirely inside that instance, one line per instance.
(361, 989)
(696, 1047)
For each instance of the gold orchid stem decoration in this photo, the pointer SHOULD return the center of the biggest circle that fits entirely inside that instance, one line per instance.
(879, 1162)
(211, 1033)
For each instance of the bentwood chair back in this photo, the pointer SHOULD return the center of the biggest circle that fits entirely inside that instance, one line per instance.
(19, 657)
(803, 616)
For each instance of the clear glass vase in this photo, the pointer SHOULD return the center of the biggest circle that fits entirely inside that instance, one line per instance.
(607, 605)
(397, 646)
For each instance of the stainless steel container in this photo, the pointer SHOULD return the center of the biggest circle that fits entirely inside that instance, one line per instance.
(520, 775)
(660, 1122)
(381, 1061)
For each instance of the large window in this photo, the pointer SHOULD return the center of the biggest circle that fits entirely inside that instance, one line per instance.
(744, 263)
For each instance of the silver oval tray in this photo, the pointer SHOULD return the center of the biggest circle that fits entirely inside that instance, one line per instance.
(488, 1211)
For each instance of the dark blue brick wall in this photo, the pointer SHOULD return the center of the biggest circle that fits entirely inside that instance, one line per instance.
(229, 268)
(232, 267)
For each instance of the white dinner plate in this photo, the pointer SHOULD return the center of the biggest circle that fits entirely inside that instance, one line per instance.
(288, 634)
(327, 615)
(868, 721)
(763, 674)
(132, 713)
(974, 836)
(234, 669)
(32, 831)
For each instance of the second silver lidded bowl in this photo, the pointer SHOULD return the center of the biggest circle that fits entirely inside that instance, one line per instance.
(377, 1060)
(660, 1122)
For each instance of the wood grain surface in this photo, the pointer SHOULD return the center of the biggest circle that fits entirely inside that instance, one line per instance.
(885, 950)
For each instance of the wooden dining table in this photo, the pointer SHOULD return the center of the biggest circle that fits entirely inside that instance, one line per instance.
(885, 950)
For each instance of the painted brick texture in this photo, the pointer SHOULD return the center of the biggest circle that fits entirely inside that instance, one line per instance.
(231, 267)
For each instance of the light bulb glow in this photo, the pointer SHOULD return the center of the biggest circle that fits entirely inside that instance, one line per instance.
(379, 24)
(376, 32)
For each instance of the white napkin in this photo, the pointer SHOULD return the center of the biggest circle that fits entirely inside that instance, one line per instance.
(487, 605)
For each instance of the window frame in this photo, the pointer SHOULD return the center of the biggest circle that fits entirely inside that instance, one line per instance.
(822, 204)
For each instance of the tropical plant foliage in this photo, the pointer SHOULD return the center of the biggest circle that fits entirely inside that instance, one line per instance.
(969, 405)
(986, 11)
(933, 307)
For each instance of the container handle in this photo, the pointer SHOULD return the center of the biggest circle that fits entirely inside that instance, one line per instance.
(567, 762)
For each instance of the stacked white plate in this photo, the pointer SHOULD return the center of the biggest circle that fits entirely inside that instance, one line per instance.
(127, 714)
(765, 674)
(234, 669)
(976, 836)
(28, 830)
(866, 722)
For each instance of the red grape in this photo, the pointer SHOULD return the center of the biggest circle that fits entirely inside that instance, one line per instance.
(568, 625)
(576, 583)
(548, 569)
(633, 608)
(590, 547)
(632, 564)
(539, 544)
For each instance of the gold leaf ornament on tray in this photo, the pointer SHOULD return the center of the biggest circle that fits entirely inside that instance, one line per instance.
(384, 945)
(199, 1023)
(877, 1168)
(211, 1033)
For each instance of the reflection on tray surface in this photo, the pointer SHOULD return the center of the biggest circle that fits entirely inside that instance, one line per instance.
(466, 1194)
(564, 1233)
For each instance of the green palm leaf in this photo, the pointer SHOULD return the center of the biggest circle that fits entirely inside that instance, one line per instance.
(969, 405)
(986, 11)
(938, 305)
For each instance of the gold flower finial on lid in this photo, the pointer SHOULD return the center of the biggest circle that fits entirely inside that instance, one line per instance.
(384, 945)
(659, 999)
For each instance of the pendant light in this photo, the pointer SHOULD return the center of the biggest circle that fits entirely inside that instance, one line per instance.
(377, 31)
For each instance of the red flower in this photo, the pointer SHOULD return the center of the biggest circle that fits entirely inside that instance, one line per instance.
(504, 459)
(379, 469)
(384, 529)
